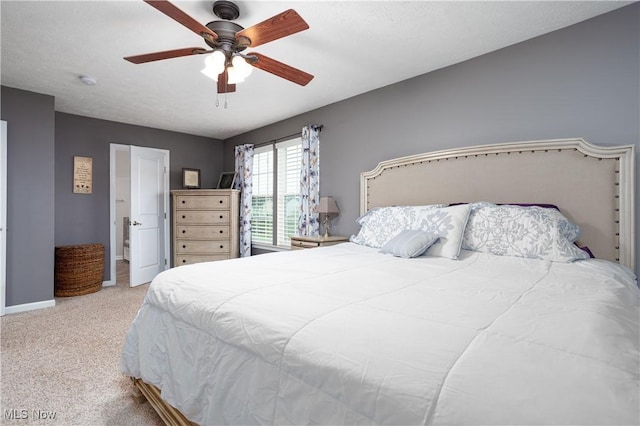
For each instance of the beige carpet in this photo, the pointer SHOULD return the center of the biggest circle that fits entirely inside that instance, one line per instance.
(65, 360)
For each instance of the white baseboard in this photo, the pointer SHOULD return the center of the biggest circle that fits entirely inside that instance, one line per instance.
(29, 306)
(108, 283)
(119, 257)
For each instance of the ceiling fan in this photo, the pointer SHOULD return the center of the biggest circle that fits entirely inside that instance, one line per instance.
(226, 63)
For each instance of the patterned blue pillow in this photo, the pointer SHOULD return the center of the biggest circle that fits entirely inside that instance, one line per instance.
(409, 243)
(449, 224)
(532, 232)
(570, 230)
(380, 224)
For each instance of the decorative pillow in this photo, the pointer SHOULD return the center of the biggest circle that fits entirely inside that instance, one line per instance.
(568, 229)
(533, 232)
(409, 243)
(380, 224)
(449, 224)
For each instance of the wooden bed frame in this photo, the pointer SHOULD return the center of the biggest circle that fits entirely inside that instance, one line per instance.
(170, 415)
(593, 186)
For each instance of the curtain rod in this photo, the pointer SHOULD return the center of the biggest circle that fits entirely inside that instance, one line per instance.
(256, 145)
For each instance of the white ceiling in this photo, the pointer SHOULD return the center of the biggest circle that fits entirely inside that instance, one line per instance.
(351, 47)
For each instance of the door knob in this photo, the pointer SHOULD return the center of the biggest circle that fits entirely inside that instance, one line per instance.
(136, 223)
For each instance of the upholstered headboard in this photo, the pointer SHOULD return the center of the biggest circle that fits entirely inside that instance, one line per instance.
(593, 186)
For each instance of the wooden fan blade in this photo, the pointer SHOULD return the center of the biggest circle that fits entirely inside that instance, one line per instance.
(173, 12)
(167, 54)
(223, 86)
(282, 25)
(281, 70)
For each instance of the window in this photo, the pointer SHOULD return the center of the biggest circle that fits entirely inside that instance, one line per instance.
(276, 193)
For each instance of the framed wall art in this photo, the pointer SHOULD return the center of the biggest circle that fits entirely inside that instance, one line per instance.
(82, 175)
(227, 179)
(190, 178)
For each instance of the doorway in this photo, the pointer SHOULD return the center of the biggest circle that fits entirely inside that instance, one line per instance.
(123, 209)
(139, 214)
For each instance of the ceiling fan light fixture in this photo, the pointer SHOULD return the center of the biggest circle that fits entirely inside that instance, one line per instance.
(241, 66)
(216, 61)
(234, 76)
(210, 72)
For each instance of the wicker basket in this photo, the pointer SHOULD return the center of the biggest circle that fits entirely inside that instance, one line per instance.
(78, 269)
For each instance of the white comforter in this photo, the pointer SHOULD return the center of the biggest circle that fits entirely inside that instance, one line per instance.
(345, 335)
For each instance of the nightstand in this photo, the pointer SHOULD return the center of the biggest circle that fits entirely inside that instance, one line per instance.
(298, 242)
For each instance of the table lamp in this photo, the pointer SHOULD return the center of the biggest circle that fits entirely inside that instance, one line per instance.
(327, 208)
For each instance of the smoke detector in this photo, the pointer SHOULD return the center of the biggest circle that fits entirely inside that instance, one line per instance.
(89, 81)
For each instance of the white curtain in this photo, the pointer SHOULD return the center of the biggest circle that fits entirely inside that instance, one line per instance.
(308, 223)
(244, 182)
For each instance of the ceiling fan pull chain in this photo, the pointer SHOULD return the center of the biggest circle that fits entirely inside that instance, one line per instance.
(225, 101)
(217, 101)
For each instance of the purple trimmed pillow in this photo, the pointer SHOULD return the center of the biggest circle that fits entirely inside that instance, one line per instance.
(523, 231)
(546, 206)
(588, 251)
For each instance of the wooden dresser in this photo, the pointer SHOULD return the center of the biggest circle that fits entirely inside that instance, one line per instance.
(205, 225)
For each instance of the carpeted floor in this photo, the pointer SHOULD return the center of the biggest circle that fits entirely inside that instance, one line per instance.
(64, 362)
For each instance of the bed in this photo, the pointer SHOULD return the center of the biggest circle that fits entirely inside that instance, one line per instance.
(481, 334)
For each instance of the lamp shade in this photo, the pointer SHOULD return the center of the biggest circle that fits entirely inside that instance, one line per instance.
(215, 62)
(234, 77)
(210, 72)
(241, 66)
(328, 206)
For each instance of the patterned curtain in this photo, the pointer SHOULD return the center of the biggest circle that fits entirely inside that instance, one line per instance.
(308, 223)
(244, 182)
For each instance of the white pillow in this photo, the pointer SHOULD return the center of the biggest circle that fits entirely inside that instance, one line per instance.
(380, 224)
(532, 232)
(449, 224)
(409, 243)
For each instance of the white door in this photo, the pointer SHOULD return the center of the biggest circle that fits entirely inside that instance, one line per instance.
(149, 212)
(3, 214)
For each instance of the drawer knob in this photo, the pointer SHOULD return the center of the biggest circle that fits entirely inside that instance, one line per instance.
(220, 201)
(221, 231)
(184, 246)
(184, 261)
(221, 246)
(183, 216)
(221, 216)
(184, 232)
(183, 201)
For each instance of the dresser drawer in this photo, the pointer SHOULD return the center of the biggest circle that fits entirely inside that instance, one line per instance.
(202, 232)
(199, 202)
(213, 247)
(202, 217)
(188, 259)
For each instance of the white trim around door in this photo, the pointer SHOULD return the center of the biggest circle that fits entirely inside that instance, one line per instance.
(114, 147)
(3, 216)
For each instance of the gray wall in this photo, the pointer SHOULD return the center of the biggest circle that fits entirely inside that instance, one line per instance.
(30, 195)
(43, 212)
(82, 218)
(581, 81)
